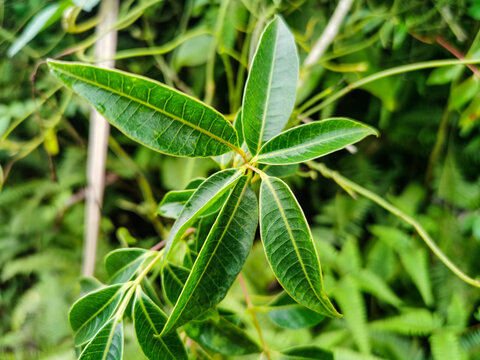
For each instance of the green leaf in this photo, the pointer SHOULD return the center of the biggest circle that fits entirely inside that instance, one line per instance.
(309, 141)
(288, 313)
(307, 353)
(445, 346)
(122, 264)
(221, 257)
(42, 20)
(172, 203)
(149, 320)
(107, 344)
(219, 335)
(410, 322)
(271, 86)
(149, 112)
(86, 5)
(222, 337)
(92, 311)
(289, 247)
(205, 196)
(464, 93)
(279, 170)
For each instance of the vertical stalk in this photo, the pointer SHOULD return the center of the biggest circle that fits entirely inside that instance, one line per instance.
(105, 48)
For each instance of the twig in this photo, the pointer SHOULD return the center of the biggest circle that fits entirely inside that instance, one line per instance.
(346, 183)
(98, 142)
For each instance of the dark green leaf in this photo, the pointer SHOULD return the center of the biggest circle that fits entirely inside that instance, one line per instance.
(221, 336)
(288, 313)
(221, 257)
(92, 311)
(149, 320)
(289, 246)
(307, 353)
(309, 141)
(150, 113)
(271, 86)
(174, 278)
(107, 344)
(204, 197)
(122, 264)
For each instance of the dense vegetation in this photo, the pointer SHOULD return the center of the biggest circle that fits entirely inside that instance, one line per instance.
(376, 209)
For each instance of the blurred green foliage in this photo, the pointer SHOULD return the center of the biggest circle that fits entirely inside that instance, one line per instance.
(399, 301)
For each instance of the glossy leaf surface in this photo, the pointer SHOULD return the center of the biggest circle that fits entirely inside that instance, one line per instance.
(271, 86)
(205, 196)
(309, 141)
(92, 311)
(221, 336)
(221, 257)
(150, 113)
(307, 353)
(149, 320)
(172, 203)
(288, 313)
(121, 264)
(107, 344)
(289, 246)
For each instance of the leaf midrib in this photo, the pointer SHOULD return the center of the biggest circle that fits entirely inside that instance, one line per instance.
(110, 339)
(312, 143)
(153, 107)
(287, 225)
(212, 255)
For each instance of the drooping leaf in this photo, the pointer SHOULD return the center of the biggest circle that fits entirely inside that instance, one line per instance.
(307, 353)
(149, 112)
(288, 313)
(172, 203)
(309, 141)
(221, 257)
(42, 20)
(92, 311)
(289, 246)
(121, 264)
(107, 343)
(206, 195)
(271, 86)
(221, 336)
(149, 320)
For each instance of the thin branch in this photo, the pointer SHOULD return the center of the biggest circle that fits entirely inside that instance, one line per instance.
(346, 183)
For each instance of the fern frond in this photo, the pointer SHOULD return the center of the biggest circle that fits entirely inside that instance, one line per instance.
(411, 322)
(445, 346)
(370, 282)
(347, 354)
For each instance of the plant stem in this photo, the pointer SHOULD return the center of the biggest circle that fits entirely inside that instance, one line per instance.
(384, 74)
(346, 183)
(254, 316)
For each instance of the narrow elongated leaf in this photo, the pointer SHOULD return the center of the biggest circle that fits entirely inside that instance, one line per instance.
(107, 344)
(221, 336)
(309, 141)
(121, 264)
(205, 196)
(289, 246)
(172, 203)
(149, 112)
(288, 313)
(271, 86)
(221, 257)
(307, 353)
(92, 311)
(149, 320)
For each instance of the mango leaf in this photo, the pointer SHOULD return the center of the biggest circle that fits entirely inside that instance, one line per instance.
(279, 170)
(107, 344)
(307, 353)
(288, 313)
(271, 86)
(149, 112)
(92, 311)
(309, 141)
(289, 247)
(172, 203)
(122, 264)
(42, 20)
(222, 337)
(219, 335)
(221, 257)
(207, 193)
(148, 321)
